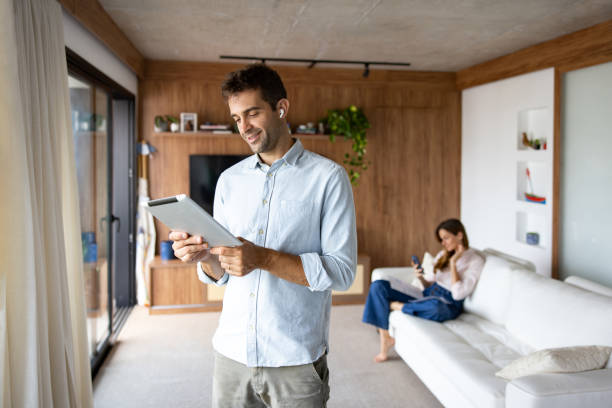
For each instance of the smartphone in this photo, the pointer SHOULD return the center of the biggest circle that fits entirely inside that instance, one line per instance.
(415, 259)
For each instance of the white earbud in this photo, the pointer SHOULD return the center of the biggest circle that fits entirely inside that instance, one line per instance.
(282, 113)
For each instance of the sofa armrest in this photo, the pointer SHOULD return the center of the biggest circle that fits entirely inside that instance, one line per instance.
(588, 285)
(404, 273)
(586, 389)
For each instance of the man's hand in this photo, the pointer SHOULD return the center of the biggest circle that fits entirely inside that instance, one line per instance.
(240, 261)
(189, 248)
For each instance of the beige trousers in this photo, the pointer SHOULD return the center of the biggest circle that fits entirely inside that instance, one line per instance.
(236, 385)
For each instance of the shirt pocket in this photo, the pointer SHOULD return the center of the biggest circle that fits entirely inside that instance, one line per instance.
(289, 207)
(296, 226)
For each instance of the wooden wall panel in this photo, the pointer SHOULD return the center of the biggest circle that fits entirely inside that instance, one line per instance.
(413, 145)
(582, 48)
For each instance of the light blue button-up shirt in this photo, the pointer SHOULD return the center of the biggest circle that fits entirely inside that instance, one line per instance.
(301, 205)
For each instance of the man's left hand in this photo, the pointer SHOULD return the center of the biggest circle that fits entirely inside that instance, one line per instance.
(240, 261)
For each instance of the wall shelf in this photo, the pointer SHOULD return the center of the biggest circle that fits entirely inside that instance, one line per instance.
(236, 135)
(535, 123)
(538, 171)
(531, 222)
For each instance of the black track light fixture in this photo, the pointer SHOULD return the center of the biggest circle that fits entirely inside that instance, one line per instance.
(366, 70)
(313, 62)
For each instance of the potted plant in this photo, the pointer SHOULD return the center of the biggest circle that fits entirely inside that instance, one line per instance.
(100, 122)
(161, 124)
(173, 122)
(352, 124)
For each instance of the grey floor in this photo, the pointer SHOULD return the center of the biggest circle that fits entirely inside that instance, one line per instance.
(167, 360)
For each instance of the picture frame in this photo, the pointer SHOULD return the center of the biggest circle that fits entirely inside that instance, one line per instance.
(189, 122)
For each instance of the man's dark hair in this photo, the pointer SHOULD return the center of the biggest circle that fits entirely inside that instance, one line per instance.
(255, 76)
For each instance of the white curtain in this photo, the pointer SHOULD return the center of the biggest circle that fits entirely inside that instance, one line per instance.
(43, 339)
(145, 244)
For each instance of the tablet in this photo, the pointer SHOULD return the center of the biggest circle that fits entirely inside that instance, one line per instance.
(181, 213)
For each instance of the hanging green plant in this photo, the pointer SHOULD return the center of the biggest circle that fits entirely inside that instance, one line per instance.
(352, 124)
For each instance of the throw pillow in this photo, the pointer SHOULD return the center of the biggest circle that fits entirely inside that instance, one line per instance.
(557, 360)
(428, 263)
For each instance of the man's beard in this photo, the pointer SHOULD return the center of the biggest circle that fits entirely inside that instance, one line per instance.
(267, 141)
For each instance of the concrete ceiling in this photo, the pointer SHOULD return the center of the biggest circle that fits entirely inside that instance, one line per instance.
(433, 35)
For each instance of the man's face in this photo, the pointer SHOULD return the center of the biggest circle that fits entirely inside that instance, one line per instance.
(257, 123)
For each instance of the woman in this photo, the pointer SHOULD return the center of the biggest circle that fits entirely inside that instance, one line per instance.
(456, 270)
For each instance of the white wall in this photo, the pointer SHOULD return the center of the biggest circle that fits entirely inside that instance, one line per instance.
(493, 165)
(88, 47)
(585, 236)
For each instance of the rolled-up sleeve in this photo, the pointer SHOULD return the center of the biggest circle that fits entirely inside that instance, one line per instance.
(334, 268)
(204, 278)
(469, 271)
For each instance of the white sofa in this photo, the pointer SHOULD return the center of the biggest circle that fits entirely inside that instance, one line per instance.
(512, 312)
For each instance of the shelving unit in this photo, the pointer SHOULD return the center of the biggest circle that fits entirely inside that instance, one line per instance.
(494, 162)
(532, 216)
(174, 287)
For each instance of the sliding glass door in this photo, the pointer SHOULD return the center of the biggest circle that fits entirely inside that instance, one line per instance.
(103, 132)
(89, 107)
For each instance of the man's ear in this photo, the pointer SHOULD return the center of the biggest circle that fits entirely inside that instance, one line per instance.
(284, 105)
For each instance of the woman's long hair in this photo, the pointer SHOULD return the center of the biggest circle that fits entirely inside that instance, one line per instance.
(454, 226)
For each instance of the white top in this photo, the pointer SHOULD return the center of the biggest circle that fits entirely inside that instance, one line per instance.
(469, 267)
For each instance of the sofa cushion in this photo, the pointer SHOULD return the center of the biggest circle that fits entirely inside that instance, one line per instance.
(466, 367)
(491, 340)
(589, 389)
(491, 297)
(546, 313)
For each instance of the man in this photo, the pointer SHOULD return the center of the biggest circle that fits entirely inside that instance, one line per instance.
(293, 210)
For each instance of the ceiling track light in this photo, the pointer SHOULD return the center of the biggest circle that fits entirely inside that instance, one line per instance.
(313, 62)
(366, 70)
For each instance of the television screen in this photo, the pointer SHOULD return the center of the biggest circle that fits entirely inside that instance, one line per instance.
(204, 171)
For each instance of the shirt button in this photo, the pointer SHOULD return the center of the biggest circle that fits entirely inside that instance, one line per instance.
(250, 327)
(261, 232)
(265, 202)
(252, 295)
(269, 175)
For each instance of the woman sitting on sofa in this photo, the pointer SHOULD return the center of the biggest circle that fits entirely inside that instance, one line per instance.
(456, 270)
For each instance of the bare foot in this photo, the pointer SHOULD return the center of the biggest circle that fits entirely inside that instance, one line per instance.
(380, 358)
(388, 342)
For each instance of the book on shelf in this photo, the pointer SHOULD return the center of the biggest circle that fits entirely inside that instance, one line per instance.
(207, 127)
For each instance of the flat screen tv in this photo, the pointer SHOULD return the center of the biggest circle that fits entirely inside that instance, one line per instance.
(204, 171)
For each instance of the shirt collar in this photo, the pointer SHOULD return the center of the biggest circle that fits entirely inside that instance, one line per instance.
(291, 157)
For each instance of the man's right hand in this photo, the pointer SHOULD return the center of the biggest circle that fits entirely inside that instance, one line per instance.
(189, 248)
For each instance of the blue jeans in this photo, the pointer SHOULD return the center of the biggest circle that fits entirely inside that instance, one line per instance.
(438, 304)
